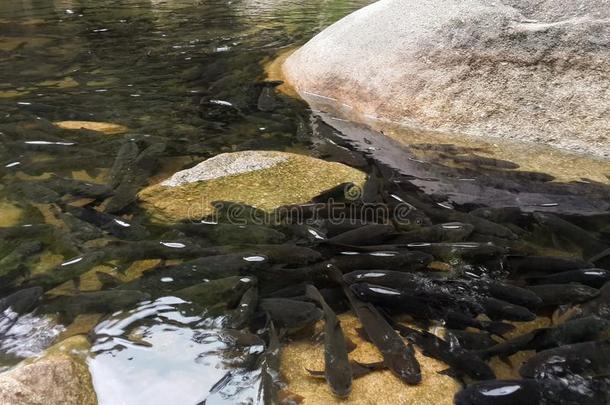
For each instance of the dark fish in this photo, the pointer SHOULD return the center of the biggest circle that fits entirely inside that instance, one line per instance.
(447, 232)
(14, 264)
(76, 188)
(397, 356)
(501, 310)
(373, 234)
(100, 302)
(511, 215)
(228, 234)
(460, 360)
(125, 159)
(337, 368)
(116, 226)
(357, 369)
(136, 175)
(599, 305)
(602, 259)
(290, 314)
(457, 320)
(520, 265)
(68, 270)
(240, 317)
(269, 364)
(390, 259)
(217, 295)
(572, 331)
(16, 304)
(574, 234)
(532, 392)
(590, 359)
(558, 294)
(595, 278)
(162, 280)
(267, 100)
(469, 340)
(461, 250)
(506, 292)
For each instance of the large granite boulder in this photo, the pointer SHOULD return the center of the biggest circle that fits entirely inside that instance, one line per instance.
(59, 377)
(520, 69)
(262, 179)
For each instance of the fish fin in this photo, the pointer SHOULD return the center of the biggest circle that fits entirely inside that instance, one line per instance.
(449, 372)
(362, 369)
(316, 373)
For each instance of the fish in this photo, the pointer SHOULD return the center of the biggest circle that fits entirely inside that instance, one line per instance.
(290, 314)
(602, 259)
(590, 359)
(534, 392)
(558, 294)
(521, 265)
(164, 279)
(447, 232)
(14, 264)
(502, 291)
(497, 309)
(460, 360)
(98, 302)
(114, 225)
(574, 234)
(240, 317)
(125, 158)
(217, 295)
(16, 304)
(390, 259)
(372, 234)
(449, 252)
(339, 193)
(337, 369)
(267, 100)
(595, 278)
(397, 356)
(469, 340)
(357, 369)
(77, 188)
(511, 215)
(228, 234)
(599, 305)
(136, 175)
(572, 331)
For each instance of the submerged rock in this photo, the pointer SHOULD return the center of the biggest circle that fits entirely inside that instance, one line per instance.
(262, 179)
(532, 71)
(60, 376)
(105, 127)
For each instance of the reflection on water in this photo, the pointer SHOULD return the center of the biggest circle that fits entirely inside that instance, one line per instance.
(100, 98)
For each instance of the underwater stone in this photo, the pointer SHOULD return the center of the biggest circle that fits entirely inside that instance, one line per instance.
(262, 179)
(60, 376)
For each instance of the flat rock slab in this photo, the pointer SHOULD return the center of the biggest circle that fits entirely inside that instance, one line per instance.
(262, 179)
(524, 70)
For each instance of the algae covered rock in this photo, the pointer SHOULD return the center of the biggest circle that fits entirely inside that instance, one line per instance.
(60, 376)
(261, 179)
(535, 71)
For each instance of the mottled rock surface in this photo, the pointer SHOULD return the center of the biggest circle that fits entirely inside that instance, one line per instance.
(526, 70)
(262, 179)
(60, 377)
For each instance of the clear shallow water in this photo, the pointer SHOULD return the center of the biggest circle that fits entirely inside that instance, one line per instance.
(188, 75)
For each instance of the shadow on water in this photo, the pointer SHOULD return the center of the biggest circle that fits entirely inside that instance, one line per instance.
(184, 81)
